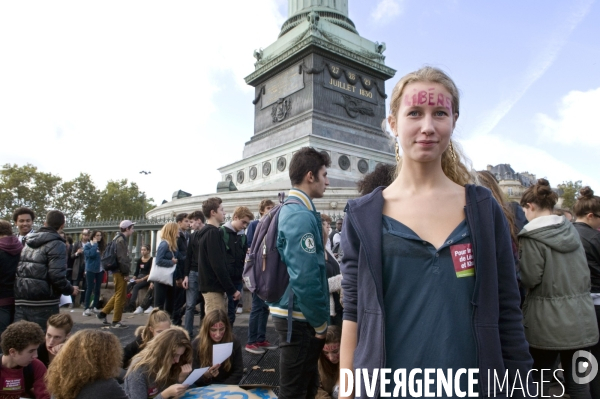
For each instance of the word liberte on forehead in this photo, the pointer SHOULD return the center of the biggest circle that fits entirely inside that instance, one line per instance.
(428, 98)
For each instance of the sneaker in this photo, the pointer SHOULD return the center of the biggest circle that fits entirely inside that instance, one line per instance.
(266, 345)
(118, 324)
(253, 348)
(239, 310)
(96, 310)
(87, 312)
(102, 317)
(70, 306)
(149, 310)
(139, 310)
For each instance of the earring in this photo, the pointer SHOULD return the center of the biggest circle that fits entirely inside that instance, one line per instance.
(397, 152)
(452, 153)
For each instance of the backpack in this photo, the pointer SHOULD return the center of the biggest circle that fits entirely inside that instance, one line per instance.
(265, 274)
(226, 238)
(109, 257)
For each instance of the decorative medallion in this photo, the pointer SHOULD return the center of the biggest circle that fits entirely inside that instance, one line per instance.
(363, 166)
(228, 178)
(252, 173)
(281, 164)
(281, 109)
(344, 162)
(266, 168)
(240, 176)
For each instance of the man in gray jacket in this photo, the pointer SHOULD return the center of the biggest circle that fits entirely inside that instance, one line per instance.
(120, 276)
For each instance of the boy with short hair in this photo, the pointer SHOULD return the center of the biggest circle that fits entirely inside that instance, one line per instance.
(58, 330)
(22, 374)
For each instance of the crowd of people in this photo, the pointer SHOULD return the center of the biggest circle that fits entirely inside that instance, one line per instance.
(430, 268)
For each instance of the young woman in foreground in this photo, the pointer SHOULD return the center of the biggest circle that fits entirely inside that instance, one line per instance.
(429, 276)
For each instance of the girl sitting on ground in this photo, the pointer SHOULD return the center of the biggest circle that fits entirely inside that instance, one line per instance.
(158, 321)
(216, 329)
(86, 367)
(329, 365)
(160, 368)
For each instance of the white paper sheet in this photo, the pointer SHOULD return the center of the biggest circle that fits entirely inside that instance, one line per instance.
(65, 299)
(193, 377)
(221, 352)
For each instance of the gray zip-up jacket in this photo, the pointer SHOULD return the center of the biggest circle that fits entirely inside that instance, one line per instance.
(558, 312)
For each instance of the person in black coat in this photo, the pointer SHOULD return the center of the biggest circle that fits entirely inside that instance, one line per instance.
(10, 252)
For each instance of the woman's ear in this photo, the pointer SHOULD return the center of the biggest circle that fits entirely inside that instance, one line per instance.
(392, 122)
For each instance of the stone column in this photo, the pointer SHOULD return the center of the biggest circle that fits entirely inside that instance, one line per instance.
(154, 242)
(132, 252)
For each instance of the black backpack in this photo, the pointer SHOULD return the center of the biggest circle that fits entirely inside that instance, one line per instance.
(109, 257)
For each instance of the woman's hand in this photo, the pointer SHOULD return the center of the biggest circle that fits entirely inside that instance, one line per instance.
(174, 391)
(212, 372)
(186, 369)
(174, 260)
(151, 286)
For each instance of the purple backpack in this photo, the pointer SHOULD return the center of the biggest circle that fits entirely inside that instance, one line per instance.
(265, 274)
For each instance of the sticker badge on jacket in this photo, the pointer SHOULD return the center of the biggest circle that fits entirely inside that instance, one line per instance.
(462, 257)
(308, 243)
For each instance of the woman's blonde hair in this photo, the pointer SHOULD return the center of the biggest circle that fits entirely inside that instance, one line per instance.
(169, 233)
(88, 356)
(156, 316)
(206, 343)
(156, 360)
(454, 169)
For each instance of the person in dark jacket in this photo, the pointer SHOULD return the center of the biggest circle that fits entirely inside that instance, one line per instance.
(213, 276)
(237, 245)
(42, 273)
(428, 270)
(10, 253)
(587, 223)
(190, 272)
(183, 238)
(215, 329)
(265, 206)
(77, 259)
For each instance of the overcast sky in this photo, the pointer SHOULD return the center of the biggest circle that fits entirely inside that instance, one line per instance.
(115, 87)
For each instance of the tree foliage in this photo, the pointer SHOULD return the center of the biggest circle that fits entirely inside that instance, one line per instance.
(78, 199)
(569, 191)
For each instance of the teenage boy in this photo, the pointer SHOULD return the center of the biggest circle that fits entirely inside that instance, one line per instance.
(22, 374)
(214, 279)
(190, 281)
(42, 273)
(259, 314)
(237, 246)
(23, 218)
(183, 238)
(58, 330)
(301, 248)
(120, 276)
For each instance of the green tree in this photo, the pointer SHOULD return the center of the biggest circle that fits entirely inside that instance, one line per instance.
(121, 200)
(569, 191)
(26, 186)
(78, 199)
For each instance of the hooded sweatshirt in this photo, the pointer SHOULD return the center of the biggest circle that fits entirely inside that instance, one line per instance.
(558, 313)
(236, 253)
(42, 271)
(10, 253)
(212, 262)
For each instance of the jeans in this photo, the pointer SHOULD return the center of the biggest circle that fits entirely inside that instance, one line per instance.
(257, 324)
(298, 360)
(94, 281)
(117, 301)
(231, 304)
(7, 315)
(191, 296)
(544, 359)
(178, 305)
(163, 297)
(134, 292)
(35, 314)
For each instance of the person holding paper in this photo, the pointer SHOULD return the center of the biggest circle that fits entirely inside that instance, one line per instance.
(159, 370)
(215, 330)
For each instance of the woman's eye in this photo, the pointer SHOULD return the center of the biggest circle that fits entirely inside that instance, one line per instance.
(413, 113)
(441, 113)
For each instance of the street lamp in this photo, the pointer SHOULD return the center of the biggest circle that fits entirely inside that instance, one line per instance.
(144, 172)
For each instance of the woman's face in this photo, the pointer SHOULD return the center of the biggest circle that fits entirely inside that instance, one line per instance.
(424, 122)
(160, 327)
(98, 236)
(178, 353)
(332, 352)
(217, 331)
(144, 251)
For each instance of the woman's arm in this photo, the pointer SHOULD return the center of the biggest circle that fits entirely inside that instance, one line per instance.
(531, 262)
(163, 255)
(347, 347)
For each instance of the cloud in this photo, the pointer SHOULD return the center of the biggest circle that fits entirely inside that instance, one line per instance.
(538, 67)
(577, 121)
(386, 10)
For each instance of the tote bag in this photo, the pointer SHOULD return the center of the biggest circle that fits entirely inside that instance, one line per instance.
(160, 274)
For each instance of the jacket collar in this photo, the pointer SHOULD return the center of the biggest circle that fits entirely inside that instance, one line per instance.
(301, 195)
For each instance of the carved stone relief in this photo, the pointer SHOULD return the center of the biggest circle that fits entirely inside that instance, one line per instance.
(355, 107)
(240, 176)
(363, 166)
(281, 164)
(252, 173)
(266, 168)
(281, 109)
(344, 162)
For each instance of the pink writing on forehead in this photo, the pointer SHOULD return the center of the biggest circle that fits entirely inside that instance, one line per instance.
(429, 97)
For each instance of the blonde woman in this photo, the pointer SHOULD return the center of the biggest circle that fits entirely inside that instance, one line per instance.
(429, 276)
(158, 370)
(86, 367)
(166, 256)
(158, 321)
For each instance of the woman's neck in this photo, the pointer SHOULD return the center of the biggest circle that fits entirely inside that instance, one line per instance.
(145, 257)
(416, 177)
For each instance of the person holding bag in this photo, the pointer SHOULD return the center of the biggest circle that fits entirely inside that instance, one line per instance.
(166, 257)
